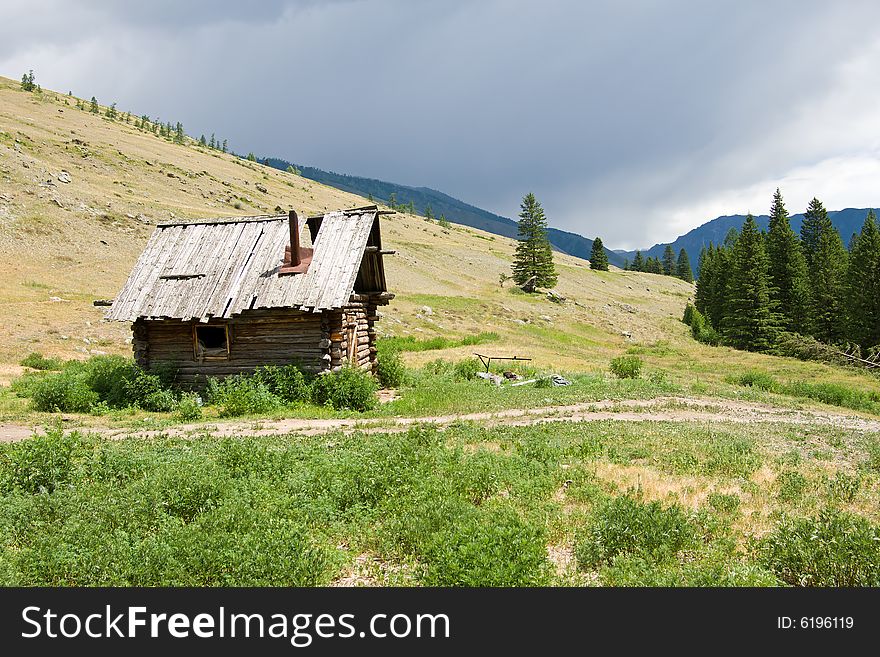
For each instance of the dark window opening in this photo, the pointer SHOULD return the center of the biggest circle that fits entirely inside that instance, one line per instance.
(211, 342)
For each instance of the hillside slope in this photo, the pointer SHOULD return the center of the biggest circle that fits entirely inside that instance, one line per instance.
(452, 208)
(64, 244)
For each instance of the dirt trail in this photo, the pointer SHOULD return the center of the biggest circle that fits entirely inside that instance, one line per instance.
(674, 409)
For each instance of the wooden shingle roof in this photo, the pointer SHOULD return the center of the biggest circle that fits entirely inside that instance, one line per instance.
(223, 267)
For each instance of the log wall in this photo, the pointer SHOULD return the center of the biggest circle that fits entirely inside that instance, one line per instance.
(313, 341)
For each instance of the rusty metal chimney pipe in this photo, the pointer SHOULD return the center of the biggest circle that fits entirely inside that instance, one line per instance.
(295, 256)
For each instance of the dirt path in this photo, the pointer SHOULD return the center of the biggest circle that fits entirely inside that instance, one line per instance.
(673, 409)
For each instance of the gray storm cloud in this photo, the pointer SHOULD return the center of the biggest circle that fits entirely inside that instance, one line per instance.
(635, 121)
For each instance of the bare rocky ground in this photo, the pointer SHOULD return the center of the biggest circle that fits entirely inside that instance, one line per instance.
(662, 409)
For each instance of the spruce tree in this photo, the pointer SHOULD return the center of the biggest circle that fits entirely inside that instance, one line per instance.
(828, 285)
(598, 257)
(638, 263)
(683, 267)
(27, 81)
(705, 274)
(669, 261)
(749, 322)
(653, 266)
(789, 286)
(429, 212)
(93, 105)
(534, 256)
(863, 286)
(814, 217)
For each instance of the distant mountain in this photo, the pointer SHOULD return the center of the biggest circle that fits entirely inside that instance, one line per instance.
(455, 210)
(847, 221)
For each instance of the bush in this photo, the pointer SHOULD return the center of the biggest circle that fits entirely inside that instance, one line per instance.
(756, 379)
(286, 382)
(702, 330)
(467, 369)
(791, 485)
(872, 446)
(843, 487)
(241, 395)
(723, 503)
(391, 370)
(146, 390)
(63, 392)
(189, 407)
(487, 548)
(349, 387)
(688, 316)
(626, 367)
(43, 462)
(37, 361)
(628, 526)
(835, 548)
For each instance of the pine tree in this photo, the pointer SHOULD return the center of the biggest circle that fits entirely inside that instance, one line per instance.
(429, 212)
(111, 112)
(683, 267)
(653, 266)
(392, 201)
(443, 222)
(224, 146)
(534, 256)
(789, 285)
(814, 217)
(93, 105)
(827, 262)
(638, 263)
(669, 261)
(204, 142)
(863, 286)
(750, 322)
(213, 142)
(598, 257)
(27, 81)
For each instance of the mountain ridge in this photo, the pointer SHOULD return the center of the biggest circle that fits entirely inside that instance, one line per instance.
(455, 210)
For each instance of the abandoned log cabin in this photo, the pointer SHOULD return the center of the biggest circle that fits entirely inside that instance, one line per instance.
(222, 296)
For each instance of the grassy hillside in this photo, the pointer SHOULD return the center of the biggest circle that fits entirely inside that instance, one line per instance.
(62, 245)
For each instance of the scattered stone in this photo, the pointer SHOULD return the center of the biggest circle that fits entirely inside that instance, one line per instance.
(558, 380)
(261, 188)
(625, 307)
(555, 297)
(546, 318)
(56, 299)
(626, 334)
(427, 310)
(64, 176)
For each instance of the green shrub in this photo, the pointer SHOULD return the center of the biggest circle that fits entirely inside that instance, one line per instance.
(756, 379)
(701, 329)
(626, 525)
(544, 382)
(872, 446)
(626, 367)
(723, 503)
(37, 361)
(146, 390)
(791, 485)
(188, 407)
(688, 316)
(43, 462)
(391, 370)
(349, 387)
(63, 392)
(241, 395)
(114, 379)
(487, 548)
(843, 487)
(465, 370)
(286, 382)
(835, 548)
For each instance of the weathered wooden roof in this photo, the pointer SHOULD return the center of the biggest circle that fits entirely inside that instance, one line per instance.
(222, 267)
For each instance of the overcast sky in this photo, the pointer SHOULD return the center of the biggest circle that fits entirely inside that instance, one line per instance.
(634, 121)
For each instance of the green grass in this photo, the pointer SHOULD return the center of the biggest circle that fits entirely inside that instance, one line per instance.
(412, 343)
(468, 506)
(833, 394)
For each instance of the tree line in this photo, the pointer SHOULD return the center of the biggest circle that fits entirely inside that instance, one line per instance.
(757, 286)
(669, 265)
(171, 131)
